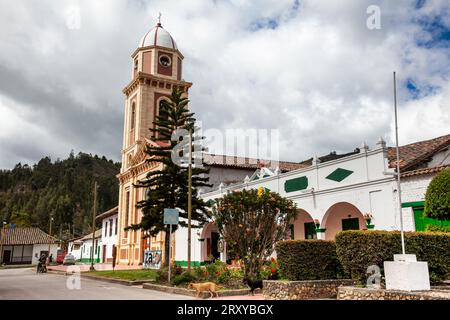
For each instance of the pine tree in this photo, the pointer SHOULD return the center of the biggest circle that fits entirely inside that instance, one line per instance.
(168, 186)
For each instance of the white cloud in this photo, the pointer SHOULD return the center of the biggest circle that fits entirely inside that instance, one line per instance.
(313, 70)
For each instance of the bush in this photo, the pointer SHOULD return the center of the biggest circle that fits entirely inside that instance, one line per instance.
(358, 250)
(308, 260)
(437, 197)
(434, 228)
(185, 277)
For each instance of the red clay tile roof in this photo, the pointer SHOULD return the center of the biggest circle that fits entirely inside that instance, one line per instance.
(108, 213)
(415, 154)
(423, 171)
(24, 236)
(214, 160)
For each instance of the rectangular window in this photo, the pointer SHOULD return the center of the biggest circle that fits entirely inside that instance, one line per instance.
(110, 227)
(115, 231)
(350, 224)
(106, 228)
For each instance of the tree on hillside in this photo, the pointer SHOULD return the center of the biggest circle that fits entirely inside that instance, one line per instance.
(168, 187)
(63, 189)
(251, 222)
(437, 197)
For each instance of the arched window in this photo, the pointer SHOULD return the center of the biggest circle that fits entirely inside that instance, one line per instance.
(161, 107)
(133, 116)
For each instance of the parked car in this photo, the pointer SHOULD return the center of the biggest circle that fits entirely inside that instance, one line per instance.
(60, 256)
(69, 259)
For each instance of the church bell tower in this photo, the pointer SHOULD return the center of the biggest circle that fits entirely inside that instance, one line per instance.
(156, 69)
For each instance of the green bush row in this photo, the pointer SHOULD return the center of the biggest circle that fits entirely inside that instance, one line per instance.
(357, 250)
(308, 260)
(434, 228)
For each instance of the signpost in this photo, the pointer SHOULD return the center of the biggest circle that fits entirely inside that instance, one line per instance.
(170, 218)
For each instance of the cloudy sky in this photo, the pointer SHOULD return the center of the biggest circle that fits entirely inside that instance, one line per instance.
(311, 69)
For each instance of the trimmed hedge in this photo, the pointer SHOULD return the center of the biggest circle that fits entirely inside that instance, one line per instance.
(357, 250)
(434, 228)
(437, 197)
(308, 260)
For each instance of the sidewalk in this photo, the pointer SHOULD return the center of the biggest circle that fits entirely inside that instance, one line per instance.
(98, 267)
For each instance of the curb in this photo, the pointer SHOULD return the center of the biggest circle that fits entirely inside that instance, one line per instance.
(104, 279)
(193, 293)
(119, 281)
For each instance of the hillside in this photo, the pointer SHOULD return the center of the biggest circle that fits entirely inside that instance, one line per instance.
(62, 189)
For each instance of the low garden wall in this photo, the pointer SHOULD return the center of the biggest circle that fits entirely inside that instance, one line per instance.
(302, 290)
(353, 293)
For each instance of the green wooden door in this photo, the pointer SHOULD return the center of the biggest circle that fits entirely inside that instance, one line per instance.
(422, 222)
(350, 224)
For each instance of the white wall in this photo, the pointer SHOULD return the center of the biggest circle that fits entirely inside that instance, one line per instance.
(181, 241)
(37, 248)
(367, 188)
(86, 247)
(107, 239)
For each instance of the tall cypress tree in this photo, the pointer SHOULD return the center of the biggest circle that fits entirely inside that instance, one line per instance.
(168, 186)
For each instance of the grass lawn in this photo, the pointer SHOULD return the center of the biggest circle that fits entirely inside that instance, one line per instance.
(130, 275)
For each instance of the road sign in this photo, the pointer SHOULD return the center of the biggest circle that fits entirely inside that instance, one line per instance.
(170, 216)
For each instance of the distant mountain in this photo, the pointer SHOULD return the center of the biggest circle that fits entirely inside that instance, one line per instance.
(62, 189)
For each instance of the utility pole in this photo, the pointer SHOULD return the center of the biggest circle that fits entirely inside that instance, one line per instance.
(1, 242)
(94, 213)
(189, 199)
(398, 168)
(50, 233)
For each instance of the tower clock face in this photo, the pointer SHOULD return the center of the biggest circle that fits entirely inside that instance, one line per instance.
(165, 61)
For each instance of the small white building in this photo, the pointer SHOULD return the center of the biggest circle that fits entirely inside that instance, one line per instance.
(85, 248)
(109, 234)
(74, 247)
(25, 245)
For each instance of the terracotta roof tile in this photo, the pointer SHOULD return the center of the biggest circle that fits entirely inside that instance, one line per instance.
(24, 236)
(424, 171)
(415, 154)
(213, 160)
(108, 213)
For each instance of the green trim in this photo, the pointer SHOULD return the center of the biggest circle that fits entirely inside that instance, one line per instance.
(339, 174)
(296, 184)
(370, 226)
(321, 230)
(413, 204)
(88, 260)
(184, 264)
(422, 222)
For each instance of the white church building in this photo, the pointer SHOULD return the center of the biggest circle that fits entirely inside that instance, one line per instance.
(335, 195)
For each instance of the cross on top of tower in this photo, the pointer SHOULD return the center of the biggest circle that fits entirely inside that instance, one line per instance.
(159, 19)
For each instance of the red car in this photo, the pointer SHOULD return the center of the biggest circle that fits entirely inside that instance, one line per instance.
(60, 256)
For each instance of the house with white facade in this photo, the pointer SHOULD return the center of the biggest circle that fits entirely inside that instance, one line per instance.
(25, 245)
(74, 247)
(85, 248)
(334, 193)
(109, 234)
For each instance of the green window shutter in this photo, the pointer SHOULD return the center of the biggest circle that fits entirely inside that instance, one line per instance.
(339, 174)
(350, 224)
(296, 184)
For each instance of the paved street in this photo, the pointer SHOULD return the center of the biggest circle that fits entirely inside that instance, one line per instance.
(26, 284)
